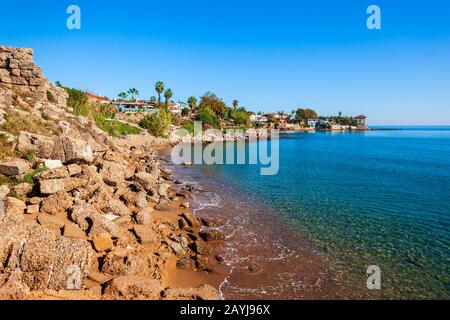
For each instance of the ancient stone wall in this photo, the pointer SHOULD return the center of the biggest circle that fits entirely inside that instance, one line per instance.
(21, 79)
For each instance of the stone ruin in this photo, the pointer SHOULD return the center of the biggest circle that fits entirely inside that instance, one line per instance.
(22, 81)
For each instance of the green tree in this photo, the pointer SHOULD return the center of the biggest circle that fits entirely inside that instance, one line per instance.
(168, 94)
(122, 95)
(159, 87)
(157, 123)
(208, 117)
(214, 103)
(192, 103)
(185, 112)
(235, 104)
(305, 114)
(240, 117)
(133, 92)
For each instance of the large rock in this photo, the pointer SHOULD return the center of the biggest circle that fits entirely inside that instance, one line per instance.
(116, 207)
(112, 173)
(91, 221)
(73, 261)
(147, 180)
(203, 292)
(122, 262)
(37, 257)
(14, 288)
(42, 145)
(77, 150)
(14, 167)
(4, 191)
(13, 210)
(134, 287)
(55, 203)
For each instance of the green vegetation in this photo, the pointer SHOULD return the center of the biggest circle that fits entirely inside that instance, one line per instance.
(304, 114)
(115, 128)
(157, 123)
(78, 102)
(123, 95)
(208, 117)
(192, 103)
(50, 97)
(240, 117)
(15, 123)
(168, 94)
(212, 102)
(185, 112)
(159, 88)
(235, 104)
(133, 92)
(29, 178)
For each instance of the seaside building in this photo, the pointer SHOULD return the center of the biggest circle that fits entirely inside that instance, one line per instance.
(361, 121)
(133, 106)
(93, 98)
(312, 123)
(175, 108)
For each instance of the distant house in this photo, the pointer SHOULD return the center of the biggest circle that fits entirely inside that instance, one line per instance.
(93, 98)
(258, 119)
(175, 108)
(361, 121)
(312, 123)
(133, 106)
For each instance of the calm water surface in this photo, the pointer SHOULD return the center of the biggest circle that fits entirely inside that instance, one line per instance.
(373, 198)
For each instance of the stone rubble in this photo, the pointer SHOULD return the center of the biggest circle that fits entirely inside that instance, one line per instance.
(89, 214)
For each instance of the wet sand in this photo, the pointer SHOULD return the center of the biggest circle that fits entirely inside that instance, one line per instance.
(264, 258)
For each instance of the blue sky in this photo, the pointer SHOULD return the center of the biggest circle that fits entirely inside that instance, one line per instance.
(270, 55)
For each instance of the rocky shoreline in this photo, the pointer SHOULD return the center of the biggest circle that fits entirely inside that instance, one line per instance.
(84, 215)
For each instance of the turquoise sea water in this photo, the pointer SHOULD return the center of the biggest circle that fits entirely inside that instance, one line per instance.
(370, 198)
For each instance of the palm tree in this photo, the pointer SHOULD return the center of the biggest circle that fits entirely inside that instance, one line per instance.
(133, 92)
(192, 102)
(168, 94)
(159, 87)
(235, 104)
(122, 95)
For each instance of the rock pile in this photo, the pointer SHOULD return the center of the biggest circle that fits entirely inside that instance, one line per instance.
(80, 212)
(20, 79)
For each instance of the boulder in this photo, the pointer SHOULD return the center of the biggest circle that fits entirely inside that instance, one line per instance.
(133, 287)
(77, 150)
(112, 173)
(141, 200)
(145, 235)
(14, 167)
(13, 210)
(89, 219)
(22, 189)
(42, 145)
(203, 292)
(37, 257)
(14, 288)
(50, 221)
(74, 169)
(116, 207)
(73, 231)
(51, 186)
(102, 242)
(146, 180)
(122, 262)
(33, 209)
(73, 261)
(143, 217)
(4, 191)
(56, 203)
(53, 164)
(211, 235)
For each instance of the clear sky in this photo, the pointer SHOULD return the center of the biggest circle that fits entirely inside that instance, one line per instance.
(270, 55)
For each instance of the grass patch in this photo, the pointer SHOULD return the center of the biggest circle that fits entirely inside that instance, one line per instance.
(115, 128)
(16, 123)
(29, 178)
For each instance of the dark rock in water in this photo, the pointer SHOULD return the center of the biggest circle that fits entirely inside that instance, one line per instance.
(254, 268)
(202, 248)
(212, 223)
(202, 262)
(178, 182)
(211, 235)
(183, 262)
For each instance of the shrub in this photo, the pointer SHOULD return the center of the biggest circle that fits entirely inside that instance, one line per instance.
(78, 102)
(240, 117)
(50, 97)
(157, 123)
(185, 112)
(208, 117)
(115, 128)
